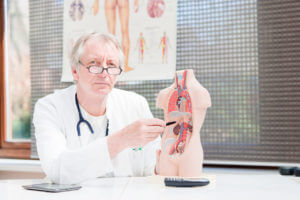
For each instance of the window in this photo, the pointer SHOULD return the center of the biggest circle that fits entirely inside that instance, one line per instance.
(15, 80)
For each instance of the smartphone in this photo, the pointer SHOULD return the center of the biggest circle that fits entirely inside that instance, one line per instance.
(186, 182)
(52, 187)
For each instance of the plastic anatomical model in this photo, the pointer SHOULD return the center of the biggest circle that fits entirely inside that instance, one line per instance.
(185, 102)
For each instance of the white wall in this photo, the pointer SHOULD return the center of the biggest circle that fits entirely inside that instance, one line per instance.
(20, 169)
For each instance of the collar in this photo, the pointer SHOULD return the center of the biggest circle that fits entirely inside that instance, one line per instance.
(108, 102)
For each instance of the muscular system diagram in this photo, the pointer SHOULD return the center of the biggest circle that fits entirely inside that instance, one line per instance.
(165, 45)
(180, 107)
(140, 45)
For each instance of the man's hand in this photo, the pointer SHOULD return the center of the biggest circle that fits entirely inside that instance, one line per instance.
(137, 134)
(141, 132)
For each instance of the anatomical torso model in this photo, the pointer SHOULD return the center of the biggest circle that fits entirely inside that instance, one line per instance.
(185, 102)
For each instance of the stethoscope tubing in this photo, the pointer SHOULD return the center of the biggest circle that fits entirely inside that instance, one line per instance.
(82, 120)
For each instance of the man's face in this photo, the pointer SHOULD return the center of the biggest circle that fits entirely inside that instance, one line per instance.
(97, 53)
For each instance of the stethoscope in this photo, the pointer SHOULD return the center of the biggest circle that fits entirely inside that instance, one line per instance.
(82, 120)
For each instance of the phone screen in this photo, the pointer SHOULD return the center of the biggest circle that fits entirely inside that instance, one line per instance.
(52, 187)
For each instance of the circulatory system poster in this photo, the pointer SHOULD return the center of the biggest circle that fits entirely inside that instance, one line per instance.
(146, 30)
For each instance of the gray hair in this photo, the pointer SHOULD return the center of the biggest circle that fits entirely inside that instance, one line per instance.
(78, 48)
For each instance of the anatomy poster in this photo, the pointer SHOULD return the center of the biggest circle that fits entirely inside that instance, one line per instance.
(145, 28)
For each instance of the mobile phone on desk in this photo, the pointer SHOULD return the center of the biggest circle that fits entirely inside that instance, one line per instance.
(52, 187)
(185, 182)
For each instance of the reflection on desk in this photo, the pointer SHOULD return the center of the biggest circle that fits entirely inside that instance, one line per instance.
(223, 186)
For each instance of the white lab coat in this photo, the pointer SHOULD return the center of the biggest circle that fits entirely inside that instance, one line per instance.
(62, 157)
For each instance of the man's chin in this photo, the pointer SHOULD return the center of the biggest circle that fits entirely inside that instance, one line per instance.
(103, 91)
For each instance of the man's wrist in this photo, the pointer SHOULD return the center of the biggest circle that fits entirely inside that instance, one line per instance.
(116, 143)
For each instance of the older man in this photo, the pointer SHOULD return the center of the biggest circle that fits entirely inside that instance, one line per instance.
(91, 129)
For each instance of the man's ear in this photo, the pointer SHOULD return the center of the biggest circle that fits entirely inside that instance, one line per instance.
(75, 73)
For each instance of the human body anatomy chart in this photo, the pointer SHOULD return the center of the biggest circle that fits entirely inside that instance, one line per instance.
(146, 30)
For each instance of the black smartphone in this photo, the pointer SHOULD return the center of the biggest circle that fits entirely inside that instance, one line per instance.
(186, 182)
(52, 187)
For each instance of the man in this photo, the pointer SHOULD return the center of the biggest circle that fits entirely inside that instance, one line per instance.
(71, 125)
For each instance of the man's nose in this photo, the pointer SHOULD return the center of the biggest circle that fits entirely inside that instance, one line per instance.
(104, 73)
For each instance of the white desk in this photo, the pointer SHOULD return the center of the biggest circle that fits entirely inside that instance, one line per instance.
(225, 184)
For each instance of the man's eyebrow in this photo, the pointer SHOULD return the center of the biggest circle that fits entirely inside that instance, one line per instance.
(113, 61)
(92, 62)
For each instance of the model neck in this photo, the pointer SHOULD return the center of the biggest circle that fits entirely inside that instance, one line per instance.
(189, 78)
(190, 75)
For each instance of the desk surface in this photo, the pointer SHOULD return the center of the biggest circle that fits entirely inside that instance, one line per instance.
(230, 184)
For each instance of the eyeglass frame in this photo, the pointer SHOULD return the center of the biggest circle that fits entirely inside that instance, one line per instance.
(103, 68)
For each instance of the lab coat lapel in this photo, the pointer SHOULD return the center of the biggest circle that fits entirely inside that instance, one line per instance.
(80, 140)
(121, 163)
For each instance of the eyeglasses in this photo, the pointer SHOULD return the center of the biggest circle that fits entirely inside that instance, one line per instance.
(95, 69)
